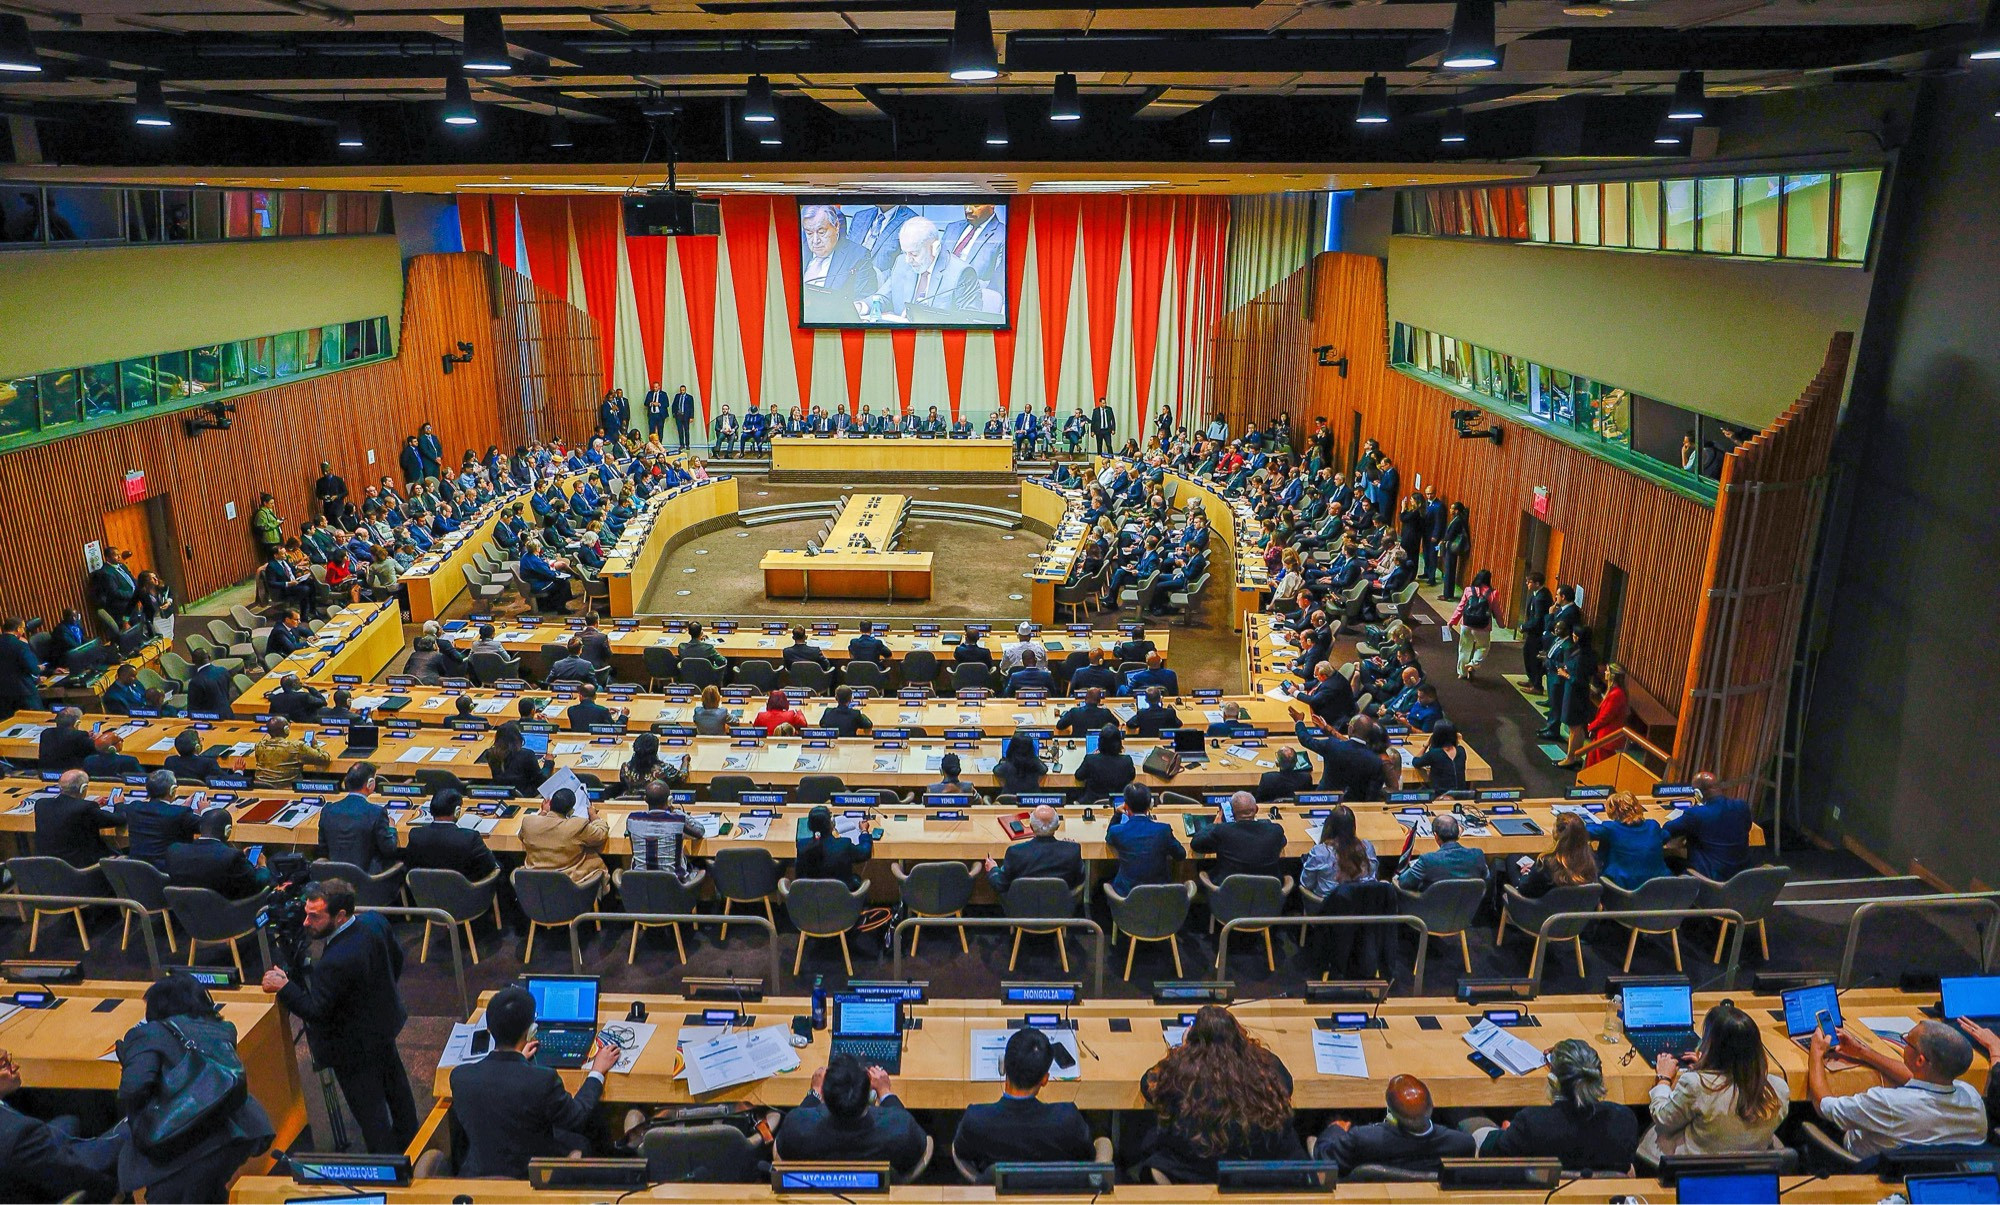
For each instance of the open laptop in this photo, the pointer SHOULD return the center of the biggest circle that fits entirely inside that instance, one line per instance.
(1191, 744)
(1728, 1188)
(1952, 1188)
(1659, 1018)
(565, 1018)
(1973, 996)
(870, 1029)
(1807, 1008)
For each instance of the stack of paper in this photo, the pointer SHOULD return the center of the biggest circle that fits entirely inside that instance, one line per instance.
(1513, 1055)
(1337, 1052)
(737, 1058)
(989, 1046)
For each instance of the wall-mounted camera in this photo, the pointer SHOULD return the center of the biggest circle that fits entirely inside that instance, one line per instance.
(1328, 360)
(215, 416)
(1465, 423)
(464, 356)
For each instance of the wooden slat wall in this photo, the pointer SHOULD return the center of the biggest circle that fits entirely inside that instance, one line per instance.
(1263, 350)
(554, 374)
(1768, 512)
(56, 494)
(1658, 537)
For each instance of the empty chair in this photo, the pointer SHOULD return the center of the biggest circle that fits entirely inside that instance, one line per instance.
(1668, 893)
(1153, 912)
(728, 788)
(229, 640)
(249, 622)
(759, 673)
(433, 781)
(1244, 897)
(934, 889)
(370, 891)
(1184, 600)
(971, 675)
(822, 908)
(1132, 596)
(453, 893)
(482, 587)
(662, 665)
(53, 876)
(1040, 899)
(219, 654)
(176, 667)
(1753, 893)
(208, 916)
(552, 900)
(919, 667)
(1527, 915)
(145, 885)
(818, 788)
(744, 876)
(1071, 601)
(711, 1153)
(494, 567)
(811, 675)
(866, 673)
(1447, 909)
(488, 668)
(660, 891)
(701, 672)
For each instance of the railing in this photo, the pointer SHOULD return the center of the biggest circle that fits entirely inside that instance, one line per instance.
(1867, 905)
(451, 924)
(1265, 922)
(53, 902)
(1536, 964)
(723, 920)
(1036, 924)
(1649, 764)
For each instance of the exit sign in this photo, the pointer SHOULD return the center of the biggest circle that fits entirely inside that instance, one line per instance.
(135, 485)
(1541, 503)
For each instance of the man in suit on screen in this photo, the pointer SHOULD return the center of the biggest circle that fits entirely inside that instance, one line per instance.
(876, 227)
(981, 240)
(925, 275)
(834, 263)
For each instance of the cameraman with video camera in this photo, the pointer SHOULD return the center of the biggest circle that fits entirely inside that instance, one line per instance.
(353, 1012)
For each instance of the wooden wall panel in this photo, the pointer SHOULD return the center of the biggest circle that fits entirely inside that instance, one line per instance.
(1263, 350)
(53, 497)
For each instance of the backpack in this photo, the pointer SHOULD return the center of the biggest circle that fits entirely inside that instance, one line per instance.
(1478, 610)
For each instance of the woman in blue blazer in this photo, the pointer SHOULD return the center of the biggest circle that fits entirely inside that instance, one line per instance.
(1632, 843)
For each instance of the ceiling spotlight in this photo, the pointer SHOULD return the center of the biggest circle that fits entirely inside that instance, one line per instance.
(485, 42)
(1668, 135)
(1987, 46)
(1219, 133)
(1471, 45)
(17, 46)
(1374, 107)
(1064, 106)
(972, 54)
(458, 110)
(149, 104)
(347, 133)
(758, 106)
(770, 133)
(1690, 98)
(996, 128)
(560, 137)
(1453, 129)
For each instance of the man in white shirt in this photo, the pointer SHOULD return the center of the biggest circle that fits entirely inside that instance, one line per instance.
(1010, 653)
(1920, 1101)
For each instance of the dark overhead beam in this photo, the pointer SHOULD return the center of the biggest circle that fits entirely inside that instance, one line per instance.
(734, 8)
(553, 100)
(1199, 52)
(241, 104)
(1725, 48)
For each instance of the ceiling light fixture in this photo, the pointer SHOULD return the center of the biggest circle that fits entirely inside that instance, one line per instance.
(1471, 45)
(1064, 105)
(1219, 133)
(1668, 135)
(1453, 130)
(17, 45)
(458, 110)
(1690, 98)
(972, 55)
(1987, 47)
(485, 42)
(149, 104)
(1374, 107)
(347, 133)
(996, 127)
(560, 137)
(758, 106)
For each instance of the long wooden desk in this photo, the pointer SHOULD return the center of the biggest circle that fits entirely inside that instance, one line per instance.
(1226, 519)
(906, 455)
(267, 1190)
(62, 1047)
(631, 565)
(1121, 1040)
(358, 641)
(1061, 512)
(438, 577)
(856, 560)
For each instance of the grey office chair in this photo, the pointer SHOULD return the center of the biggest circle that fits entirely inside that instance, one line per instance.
(1248, 896)
(1753, 893)
(1040, 899)
(206, 916)
(551, 900)
(384, 890)
(1520, 912)
(465, 901)
(1668, 893)
(1447, 909)
(744, 875)
(823, 908)
(659, 891)
(1153, 912)
(934, 889)
(145, 885)
(53, 876)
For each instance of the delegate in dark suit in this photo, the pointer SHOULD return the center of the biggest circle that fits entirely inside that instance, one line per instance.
(67, 827)
(445, 846)
(351, 829)
(1242, 847)
(885, 1133)
(209, 690)
(353, 1013)
(833, 283)
(878, 230)
(153, 826)
(40, 1161)
(986, 250)
(1350, 765)
(216, 865)
(1040, 858)
(513, 1111)
(1022, 1129)
(63, 748)
(1392, 1146)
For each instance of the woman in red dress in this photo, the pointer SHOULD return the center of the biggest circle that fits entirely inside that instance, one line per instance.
(1612, 713)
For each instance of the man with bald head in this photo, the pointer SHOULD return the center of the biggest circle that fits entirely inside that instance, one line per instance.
(925, 274)
(1043, 856)
(1406, 1137)
(1241, 843)
(1920, 1100)
(67, 823)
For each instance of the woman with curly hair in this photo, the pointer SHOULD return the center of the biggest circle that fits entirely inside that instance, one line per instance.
(1219, 1095)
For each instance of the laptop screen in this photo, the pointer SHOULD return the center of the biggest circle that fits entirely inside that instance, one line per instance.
(1951, 1189)
(1187, 740)
(1803, 1005)
(564, 1000)
(1970, 996)
(1729, 1188)
(866, 1017)
(1658, 1006)
(536, 743)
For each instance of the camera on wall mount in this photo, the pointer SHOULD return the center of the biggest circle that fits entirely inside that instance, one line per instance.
(1465, 422)
(1328, 360)
(215, 416)
(463, 356)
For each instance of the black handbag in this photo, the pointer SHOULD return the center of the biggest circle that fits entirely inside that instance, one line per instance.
(201, 1088)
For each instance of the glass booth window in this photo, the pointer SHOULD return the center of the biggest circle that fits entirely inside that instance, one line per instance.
(1759, 215)
(20, 405)
(61, 402)
(100, 391)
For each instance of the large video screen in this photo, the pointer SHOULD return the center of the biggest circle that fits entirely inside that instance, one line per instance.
(903, 261)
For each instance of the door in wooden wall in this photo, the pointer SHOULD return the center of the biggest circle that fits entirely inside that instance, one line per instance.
(1540, 552)
(1610, 609)
(1353, 445)
(131, 528)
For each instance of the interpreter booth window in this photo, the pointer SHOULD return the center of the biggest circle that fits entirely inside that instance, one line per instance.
(205, 368)
(135, 381)
(142, 217)
(171, 371)
(85, 215)
(100, 391)
(20, 405)
(61, 401)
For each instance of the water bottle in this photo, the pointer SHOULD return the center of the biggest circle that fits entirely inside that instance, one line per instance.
(819, 1002)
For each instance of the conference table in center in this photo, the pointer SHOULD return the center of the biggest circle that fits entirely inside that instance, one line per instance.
(856, 559)
(900, 457)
